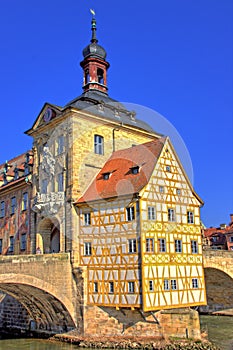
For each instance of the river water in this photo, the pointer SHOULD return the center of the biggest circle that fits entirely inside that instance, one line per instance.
(219, 328)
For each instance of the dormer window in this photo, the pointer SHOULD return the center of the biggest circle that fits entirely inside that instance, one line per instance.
(5, 179)
(135, 170)
(16, 176)
(26, 170)
(27, 157)
(106, 176)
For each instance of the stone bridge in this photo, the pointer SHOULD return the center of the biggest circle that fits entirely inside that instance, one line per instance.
(218, 266)
(50, 289)
(45, 286)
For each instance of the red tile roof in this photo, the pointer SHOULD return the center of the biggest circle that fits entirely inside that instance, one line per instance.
(121, 180)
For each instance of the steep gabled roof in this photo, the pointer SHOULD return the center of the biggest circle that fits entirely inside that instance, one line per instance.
(120, 169)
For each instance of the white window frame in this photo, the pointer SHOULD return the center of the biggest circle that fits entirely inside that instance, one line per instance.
(171, 215)
(111, 287)
(162, 245)
(132, 245)
(190, 217)
(173, 284)
(151, 286)
(151, 213)
(195, 284)
(87, 219)
(194, 247)
(178, 245)
(150, 245)
(25, 201)
(87, 249)
(130, 213)
(166, 284)
(131, 287)
(99, 144)
(95, 287)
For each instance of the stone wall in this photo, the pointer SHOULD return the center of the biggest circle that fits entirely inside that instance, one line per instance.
(182, 323)
(12, 314)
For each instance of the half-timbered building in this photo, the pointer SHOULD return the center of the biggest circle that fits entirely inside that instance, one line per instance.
(106, 187)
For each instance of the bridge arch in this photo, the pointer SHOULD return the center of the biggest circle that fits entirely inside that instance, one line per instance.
(219, 289)
(41, 300)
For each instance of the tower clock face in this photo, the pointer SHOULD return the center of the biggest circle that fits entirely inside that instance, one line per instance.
(48, 115)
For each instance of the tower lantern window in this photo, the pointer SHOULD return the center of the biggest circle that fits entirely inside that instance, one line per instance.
(100, 75)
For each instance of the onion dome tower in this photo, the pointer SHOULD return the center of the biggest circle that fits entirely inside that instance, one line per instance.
(94, 64)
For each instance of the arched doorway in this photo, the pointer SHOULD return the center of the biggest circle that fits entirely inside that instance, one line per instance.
(48, 236)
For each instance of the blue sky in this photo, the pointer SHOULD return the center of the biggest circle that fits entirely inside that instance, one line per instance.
(172, 56)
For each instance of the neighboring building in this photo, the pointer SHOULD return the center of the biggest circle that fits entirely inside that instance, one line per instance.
(15, 197)
(219, 237)
(111, 191)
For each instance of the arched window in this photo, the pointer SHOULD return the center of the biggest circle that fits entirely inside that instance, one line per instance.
(100, 75)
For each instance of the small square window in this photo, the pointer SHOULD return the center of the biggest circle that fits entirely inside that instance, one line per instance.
(195, 283)
(231, 239)
(150, 245)
(87, 248)
(173, 284)
(87, 219)
(0, 245)
(166, 285)
(111, 287)
(151, 286)
(95, 287)
(178, 191)
(106, 176)
(135, 170)
(168, 168)
(161, 189)
(131, 287)
(130, 213)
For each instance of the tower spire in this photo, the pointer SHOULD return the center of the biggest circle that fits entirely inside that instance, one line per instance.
(94, 64)
(93, 27)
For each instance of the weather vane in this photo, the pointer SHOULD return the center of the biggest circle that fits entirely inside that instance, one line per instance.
(92, 12)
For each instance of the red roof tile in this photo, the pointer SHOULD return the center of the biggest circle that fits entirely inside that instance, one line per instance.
(121, 180)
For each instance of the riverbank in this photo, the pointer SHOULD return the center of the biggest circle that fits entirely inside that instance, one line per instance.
(135, 343)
